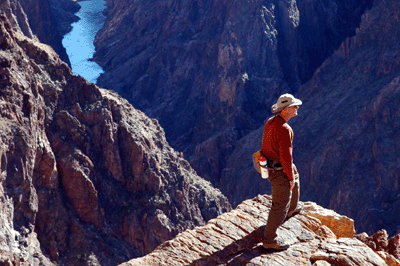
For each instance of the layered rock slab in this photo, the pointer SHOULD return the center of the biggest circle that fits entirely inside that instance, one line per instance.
(234, 239)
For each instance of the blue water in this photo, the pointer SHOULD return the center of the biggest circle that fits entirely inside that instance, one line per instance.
(79, 42)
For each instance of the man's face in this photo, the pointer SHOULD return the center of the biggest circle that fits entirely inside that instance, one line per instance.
(292, 110)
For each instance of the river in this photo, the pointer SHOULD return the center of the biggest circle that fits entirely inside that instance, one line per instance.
(79, 41)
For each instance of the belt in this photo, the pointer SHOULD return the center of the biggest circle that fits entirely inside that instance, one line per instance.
(274, 165)
(272, 168)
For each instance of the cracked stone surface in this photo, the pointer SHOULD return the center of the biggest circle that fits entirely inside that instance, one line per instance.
(235, 238)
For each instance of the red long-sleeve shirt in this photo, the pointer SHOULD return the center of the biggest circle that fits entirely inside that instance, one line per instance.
(277, 143)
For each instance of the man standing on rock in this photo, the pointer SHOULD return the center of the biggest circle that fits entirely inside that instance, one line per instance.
(277, 148)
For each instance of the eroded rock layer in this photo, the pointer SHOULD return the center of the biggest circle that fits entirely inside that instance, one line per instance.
(46, 20)
(86, 179)
(234, 239)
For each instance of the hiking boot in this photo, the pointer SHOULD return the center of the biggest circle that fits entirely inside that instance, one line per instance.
(299, 207)
(276, 244)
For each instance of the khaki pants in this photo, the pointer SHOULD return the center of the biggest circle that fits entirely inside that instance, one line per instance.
(283, 201)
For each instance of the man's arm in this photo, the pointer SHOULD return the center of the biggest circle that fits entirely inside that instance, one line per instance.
(285, 152)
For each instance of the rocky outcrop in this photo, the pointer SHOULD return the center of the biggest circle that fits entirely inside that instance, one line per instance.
(380, 242)
(235, 238)
(46, 20)
(86, 179)
(345, 137)
(210, 70)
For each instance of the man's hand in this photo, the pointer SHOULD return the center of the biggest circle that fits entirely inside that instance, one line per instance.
(291, 184)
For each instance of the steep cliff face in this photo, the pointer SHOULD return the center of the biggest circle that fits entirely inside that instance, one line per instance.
(352, 113)
(210, 70)
(86, 179)
(318, 237)
(346, 142)
(47, 20)
(323, 27)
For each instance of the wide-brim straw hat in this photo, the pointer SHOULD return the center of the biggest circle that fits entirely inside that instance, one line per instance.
(285, 100)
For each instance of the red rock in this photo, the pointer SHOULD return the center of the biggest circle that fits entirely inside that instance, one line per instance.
(46, 21)
(369, 241)
(85, 178)
(381, 240)
(340, 225)
(387, 249)
(234, 239)
(394, 246)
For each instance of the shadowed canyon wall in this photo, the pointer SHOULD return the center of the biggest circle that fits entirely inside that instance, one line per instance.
(86, 179)
(353, 155)
(210, 70)
(346, 137)
(47, 20)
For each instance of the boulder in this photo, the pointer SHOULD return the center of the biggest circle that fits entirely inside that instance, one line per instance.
(394, 246)
(388, 249)
(340, 225)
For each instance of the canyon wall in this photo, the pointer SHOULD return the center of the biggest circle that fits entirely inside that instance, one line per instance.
(346, 137)
(209, 71)
(86, 179)
(46, 20)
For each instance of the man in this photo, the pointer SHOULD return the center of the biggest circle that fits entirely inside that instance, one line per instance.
(277, 147)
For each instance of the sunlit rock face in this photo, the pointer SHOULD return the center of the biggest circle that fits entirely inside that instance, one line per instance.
(317, 236)
(86, 179)
(209, 71)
